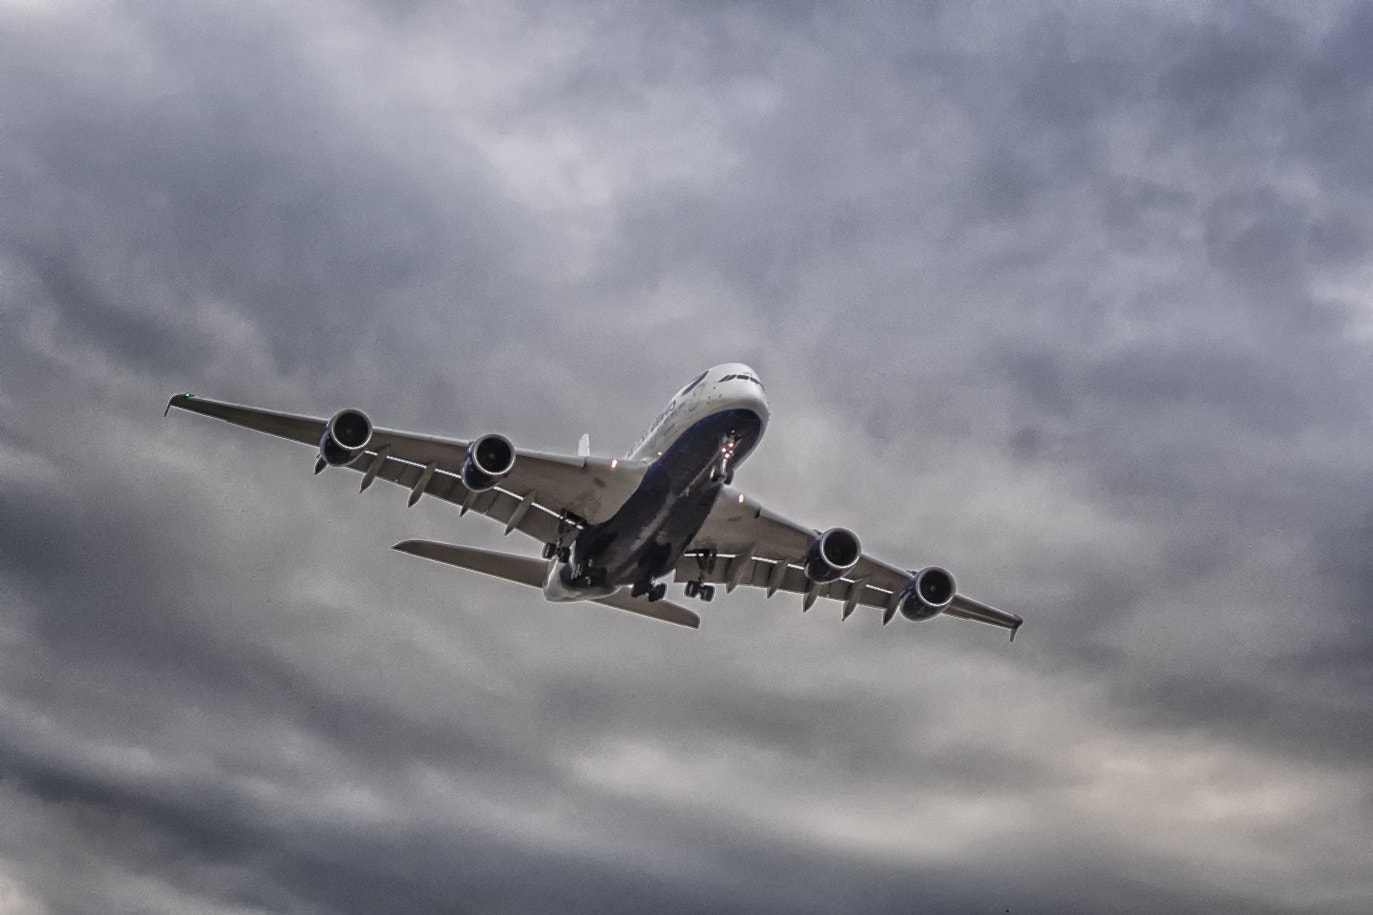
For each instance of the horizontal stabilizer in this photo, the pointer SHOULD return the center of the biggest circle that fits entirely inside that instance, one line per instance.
(526, 570)
(523, 569)
(658, 609)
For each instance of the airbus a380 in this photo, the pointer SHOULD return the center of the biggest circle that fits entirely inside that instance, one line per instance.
(614, 529)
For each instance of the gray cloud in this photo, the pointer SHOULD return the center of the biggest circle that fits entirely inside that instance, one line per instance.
(1071, 300)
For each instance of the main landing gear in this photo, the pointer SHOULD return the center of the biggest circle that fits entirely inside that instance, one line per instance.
(697, 587)
(648, 589)
(700, 589)
(567, 523)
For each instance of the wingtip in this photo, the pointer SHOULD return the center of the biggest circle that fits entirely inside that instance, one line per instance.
(1019, 621)
(176, 400)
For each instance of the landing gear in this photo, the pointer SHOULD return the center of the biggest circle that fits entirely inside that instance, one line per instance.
(723, 471)
(567, 523)
(648, 589)
(705, 563)
(700, 589)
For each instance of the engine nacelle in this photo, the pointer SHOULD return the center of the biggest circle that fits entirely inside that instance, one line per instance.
(345, 437)
(927, 594)
(832, 554)
(489, 460)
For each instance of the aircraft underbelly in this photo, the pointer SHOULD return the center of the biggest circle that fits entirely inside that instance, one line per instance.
(648, 535)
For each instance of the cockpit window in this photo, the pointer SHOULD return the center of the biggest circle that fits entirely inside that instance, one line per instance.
(742, 377)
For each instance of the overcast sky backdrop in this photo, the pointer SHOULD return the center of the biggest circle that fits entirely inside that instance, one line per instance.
(1073, 299)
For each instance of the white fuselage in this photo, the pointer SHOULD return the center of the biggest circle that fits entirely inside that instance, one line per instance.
(731, 386)
(696, 432)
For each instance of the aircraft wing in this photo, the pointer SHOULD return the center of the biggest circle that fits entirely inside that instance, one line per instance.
(756, 547)
(540, 489)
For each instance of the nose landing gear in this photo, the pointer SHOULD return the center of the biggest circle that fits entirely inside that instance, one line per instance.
(723, 469)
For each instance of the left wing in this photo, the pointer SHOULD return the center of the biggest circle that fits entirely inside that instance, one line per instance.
(742, 543)
(543, 496)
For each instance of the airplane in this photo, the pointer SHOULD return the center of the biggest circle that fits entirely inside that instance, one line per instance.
(613, 529)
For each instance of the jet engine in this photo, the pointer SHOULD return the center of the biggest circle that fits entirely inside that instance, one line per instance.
(832, 554)
(927, 594)
(489, 460)
(345, 437)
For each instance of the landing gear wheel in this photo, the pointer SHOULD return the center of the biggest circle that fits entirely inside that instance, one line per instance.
(657, 592)
(700, 589)
(550, 550)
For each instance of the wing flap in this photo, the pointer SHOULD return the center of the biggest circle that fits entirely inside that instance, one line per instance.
(498, 504)
(759, 573)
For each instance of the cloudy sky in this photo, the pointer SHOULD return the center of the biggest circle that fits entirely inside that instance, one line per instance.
(1073, 299)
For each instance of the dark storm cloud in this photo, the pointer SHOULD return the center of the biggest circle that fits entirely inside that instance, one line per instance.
(223, 163)
(1072, 299)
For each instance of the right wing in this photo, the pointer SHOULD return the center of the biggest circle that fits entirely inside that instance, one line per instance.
(544, 495)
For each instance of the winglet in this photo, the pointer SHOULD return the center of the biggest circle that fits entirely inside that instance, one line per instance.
(1016, 628)
(176, 401)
